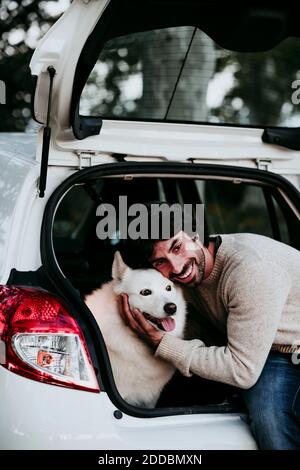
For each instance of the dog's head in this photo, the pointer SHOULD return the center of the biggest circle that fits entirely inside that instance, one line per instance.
(153, 294)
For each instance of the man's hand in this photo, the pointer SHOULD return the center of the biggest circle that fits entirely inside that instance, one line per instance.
(137, 322)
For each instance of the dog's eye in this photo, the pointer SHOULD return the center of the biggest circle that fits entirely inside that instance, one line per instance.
(168, 287)
(146, 292)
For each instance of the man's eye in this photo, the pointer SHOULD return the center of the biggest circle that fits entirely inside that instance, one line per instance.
(177, 248)
(168, 287)
(145, 292)
(158, 263)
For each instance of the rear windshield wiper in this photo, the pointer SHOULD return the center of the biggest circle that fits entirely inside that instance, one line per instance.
(285, 137)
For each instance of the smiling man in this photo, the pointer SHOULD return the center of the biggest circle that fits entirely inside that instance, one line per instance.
(248, 287)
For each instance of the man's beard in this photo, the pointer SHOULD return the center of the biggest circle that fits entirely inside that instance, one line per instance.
(199, 261)
(200, 264)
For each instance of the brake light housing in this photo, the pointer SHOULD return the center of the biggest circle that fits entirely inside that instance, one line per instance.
(41, 340)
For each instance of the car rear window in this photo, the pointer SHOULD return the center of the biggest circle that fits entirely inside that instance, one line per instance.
(181, 74)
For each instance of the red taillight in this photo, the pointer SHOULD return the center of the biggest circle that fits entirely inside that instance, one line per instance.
(42, 341)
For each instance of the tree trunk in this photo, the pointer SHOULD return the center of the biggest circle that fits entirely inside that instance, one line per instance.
(162, 60)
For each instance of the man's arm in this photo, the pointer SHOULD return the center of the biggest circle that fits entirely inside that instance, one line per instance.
(255, 302)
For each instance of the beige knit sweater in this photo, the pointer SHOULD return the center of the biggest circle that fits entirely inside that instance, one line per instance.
(253, 296)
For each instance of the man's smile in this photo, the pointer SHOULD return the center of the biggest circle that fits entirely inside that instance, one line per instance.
(186, 272)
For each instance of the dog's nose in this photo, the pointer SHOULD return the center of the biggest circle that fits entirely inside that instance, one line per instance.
(170, 308)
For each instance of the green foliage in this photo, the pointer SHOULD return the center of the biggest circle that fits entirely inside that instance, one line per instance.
(21, 24)
(262, 84)
(253, 88)
(260, 94)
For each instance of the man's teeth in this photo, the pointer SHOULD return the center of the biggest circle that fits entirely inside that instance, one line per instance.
(187, 273)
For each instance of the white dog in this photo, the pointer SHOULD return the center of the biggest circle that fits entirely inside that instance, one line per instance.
(139, 375)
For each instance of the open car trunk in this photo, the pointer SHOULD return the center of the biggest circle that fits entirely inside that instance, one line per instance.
(130, 91)
(236, 200)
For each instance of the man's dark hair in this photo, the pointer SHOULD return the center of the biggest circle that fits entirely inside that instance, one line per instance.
(136, 253)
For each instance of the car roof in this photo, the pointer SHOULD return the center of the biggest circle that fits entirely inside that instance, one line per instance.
(19, 144)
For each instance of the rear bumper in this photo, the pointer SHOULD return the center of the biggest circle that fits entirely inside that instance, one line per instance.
(37, 416)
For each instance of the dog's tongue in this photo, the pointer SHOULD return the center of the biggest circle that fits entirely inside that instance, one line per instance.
(168, 324)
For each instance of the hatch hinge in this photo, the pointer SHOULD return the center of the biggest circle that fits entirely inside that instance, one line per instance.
(85, 159)
(263, 164)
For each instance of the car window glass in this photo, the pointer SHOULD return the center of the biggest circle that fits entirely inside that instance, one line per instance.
(72, 216)
(283, 228)
(234, 208)
(181, 74)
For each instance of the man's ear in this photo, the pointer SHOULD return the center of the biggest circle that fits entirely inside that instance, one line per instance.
(118, 267)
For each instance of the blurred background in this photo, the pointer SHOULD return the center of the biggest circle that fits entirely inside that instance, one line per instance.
(140, 76)
(22, 24)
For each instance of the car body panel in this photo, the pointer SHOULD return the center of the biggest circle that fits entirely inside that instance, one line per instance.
(21, 208)
(42, 416)
(17, 163)
(147, 141)
(18, 144)
(62, 50)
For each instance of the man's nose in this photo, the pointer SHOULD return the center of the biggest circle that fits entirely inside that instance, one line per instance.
(176, 266)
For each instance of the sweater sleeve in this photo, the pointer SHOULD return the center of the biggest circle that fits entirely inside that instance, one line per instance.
(254, 297)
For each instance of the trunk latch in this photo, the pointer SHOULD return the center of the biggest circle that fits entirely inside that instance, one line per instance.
(264, 164)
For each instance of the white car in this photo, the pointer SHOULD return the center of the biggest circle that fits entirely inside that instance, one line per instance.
(125, 111)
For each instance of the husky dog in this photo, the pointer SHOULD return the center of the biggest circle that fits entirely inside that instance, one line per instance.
(139, 375)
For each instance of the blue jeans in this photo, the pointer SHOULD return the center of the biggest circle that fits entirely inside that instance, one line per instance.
(274, 404)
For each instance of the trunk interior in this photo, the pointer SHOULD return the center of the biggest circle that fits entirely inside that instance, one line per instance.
(236, 201)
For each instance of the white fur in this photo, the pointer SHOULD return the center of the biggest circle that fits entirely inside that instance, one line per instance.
(139, 375)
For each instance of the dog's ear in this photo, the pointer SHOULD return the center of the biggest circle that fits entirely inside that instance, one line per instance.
(118, 267)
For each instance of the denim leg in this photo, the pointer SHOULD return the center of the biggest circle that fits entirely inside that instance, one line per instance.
(273, 403)
(296, 404)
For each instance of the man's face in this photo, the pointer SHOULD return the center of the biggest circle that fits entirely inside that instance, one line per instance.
(181, 259)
